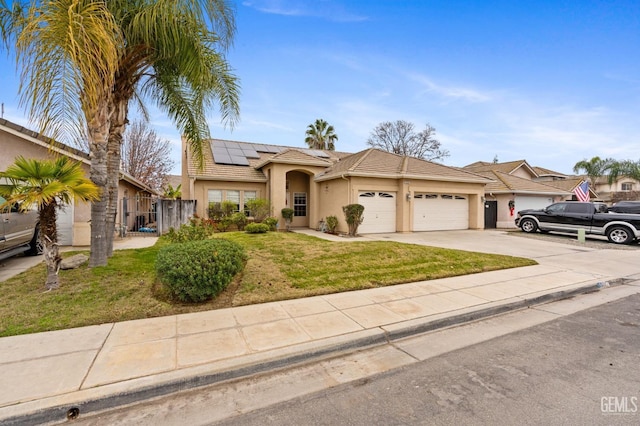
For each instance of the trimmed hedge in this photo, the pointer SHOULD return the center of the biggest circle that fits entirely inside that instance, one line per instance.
(196, 271)
(257, 228)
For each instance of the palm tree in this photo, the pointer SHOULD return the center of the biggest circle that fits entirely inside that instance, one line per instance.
(320, 135)
(171, 57)
(47, 184)
(87, 60)
(627, 168)
(594, 168)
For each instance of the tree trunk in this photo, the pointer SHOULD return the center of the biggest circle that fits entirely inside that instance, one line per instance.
(116, 131)
(98, 128)
(49, 236)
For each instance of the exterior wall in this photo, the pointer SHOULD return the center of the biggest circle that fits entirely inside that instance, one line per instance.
(332, 196)
(14, 146)
(522, 173)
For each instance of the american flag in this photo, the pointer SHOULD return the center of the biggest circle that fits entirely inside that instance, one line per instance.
(582, 191)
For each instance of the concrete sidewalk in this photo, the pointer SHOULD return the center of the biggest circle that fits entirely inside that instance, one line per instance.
(44, 375)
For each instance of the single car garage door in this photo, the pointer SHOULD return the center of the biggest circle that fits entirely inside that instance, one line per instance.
(379, 212)
(440, 212)
(64, 223)
(523, 202)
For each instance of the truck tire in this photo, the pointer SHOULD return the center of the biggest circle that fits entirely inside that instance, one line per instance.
(528, 225)
(619, 235)
(35, 246)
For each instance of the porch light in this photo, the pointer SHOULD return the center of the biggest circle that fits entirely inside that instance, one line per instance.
(408, 196)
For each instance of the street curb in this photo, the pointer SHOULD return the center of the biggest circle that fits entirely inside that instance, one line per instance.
(300, 354)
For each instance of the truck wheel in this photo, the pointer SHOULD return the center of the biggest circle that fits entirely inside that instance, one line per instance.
(528, 225)
(35, 246)
(619, 235)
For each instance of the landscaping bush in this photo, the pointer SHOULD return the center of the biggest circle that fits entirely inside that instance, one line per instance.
(197, 229)
(239, 220)
(271, 222)
(287, 214)
(257, 228)
(332, 224)
(199, 270)
(225, 223)
(258, 209)
(353, 216)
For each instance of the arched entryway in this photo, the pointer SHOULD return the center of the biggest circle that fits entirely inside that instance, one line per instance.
(298, 197)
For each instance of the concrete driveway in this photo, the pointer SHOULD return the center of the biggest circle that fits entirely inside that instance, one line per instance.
(603, 260)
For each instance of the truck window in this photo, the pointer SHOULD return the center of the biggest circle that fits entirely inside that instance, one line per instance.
(557, 208)
(580, 208)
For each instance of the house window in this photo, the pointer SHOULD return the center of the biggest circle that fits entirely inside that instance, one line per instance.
(627, 186)
(234, 197)
(214, 196)
(248, 195)
(299, 203)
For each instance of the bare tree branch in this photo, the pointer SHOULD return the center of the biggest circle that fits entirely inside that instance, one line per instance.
(400, 137)
(145, 156)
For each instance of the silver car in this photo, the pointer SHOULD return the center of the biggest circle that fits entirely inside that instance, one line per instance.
(19, 232)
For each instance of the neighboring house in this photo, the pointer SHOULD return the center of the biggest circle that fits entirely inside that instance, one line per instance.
(400, 194)
(516, 186)
(624, 188)
(74, 221)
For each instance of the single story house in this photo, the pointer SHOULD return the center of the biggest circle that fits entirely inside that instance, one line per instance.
(518, 186)
(399, 193)
(74, 221)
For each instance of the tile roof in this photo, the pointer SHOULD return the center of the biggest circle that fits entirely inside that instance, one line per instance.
(293, 155)
(377, 163)
(506, 183)
(506, 167)
(541, 171)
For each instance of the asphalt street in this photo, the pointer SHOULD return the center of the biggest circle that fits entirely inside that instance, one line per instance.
(577, 370)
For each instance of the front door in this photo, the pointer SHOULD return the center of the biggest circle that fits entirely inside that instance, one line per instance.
(490, 214)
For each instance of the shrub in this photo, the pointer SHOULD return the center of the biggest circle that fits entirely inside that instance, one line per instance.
(258, 209)
(225, 223)
(257, 228)
(214, 211)
(239, 220)
(271, 222)
(353, 216)
(199, 270)
(197, 229)
(332, 224)
(287, 214)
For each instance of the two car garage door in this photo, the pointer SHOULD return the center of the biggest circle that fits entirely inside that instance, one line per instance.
(431, 212)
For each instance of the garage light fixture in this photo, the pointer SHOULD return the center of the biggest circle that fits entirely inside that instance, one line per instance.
(408, 196)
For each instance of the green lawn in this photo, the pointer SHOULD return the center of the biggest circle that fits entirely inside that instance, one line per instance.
(280, 266)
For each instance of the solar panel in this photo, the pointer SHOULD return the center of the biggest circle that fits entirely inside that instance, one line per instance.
(225, 152)
(248, 150)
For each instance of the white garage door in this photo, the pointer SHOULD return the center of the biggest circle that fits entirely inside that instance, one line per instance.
(64, 223)
(379, 212)
(524, 203)
(440, 212)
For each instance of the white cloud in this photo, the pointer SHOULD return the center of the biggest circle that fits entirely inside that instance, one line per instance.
(450, 92)
(324, 9)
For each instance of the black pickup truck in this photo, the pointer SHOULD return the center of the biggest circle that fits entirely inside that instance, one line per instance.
(594, 218)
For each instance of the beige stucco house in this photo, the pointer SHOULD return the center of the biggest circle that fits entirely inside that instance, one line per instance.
(74, 221)
(518, 186)
(400, 194)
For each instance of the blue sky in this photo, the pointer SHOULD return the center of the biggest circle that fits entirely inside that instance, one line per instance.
(552, 82)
